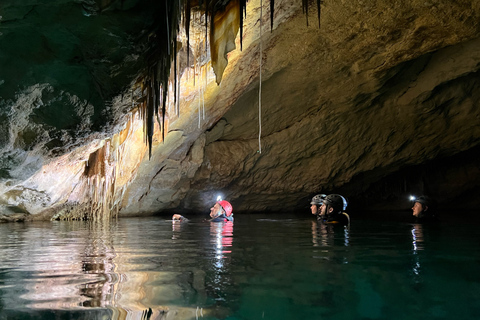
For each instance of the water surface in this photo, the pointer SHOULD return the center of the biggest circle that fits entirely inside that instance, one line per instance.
(259, 267)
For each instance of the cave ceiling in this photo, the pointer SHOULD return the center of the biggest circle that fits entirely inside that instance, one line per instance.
(99, 117)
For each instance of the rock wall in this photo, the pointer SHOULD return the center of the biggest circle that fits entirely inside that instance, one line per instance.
(379, 102)
(380, 88)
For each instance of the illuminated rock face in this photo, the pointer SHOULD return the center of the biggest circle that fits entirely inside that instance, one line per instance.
(366, 106)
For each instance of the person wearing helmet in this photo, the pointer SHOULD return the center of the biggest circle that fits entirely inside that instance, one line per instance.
(221, 211)
(316, 203)
(423, 208)
(332, 210)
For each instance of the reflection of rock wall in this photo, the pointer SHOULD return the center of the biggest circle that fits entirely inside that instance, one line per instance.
(58, 273)
(77, 265)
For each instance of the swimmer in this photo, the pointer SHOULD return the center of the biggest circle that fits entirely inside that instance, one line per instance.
(221, 211)
(316, 203)
(423, 208)
(332, 210)
(178, 217)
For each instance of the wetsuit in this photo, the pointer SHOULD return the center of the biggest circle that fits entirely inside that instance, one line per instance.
(426, 218)
(340, 218)
(222, 218)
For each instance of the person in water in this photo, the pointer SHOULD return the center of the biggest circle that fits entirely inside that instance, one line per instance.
(221, 211)
(423, 209)
(179, 217)
(316, 203)
(332, 210)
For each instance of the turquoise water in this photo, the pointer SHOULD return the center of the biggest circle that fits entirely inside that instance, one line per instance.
(259, 267)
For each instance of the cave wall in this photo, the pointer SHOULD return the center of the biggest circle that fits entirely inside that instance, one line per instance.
(366, 105)
(360, 97)
(451, 181)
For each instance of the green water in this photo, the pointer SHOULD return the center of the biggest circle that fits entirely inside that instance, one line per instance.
(259, 267)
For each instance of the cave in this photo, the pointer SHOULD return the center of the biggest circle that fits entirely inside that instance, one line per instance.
(119, 116)
(134, 108)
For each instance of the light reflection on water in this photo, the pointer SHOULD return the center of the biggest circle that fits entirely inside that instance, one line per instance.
(253, 268)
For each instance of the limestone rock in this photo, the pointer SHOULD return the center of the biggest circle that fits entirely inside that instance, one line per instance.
(366, 106)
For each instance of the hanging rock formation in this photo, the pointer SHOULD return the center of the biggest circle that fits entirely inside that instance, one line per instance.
(379, 102)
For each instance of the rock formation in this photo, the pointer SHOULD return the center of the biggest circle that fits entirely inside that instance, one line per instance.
(378, 102)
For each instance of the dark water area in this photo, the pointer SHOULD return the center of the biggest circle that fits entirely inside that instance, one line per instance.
(258, 267)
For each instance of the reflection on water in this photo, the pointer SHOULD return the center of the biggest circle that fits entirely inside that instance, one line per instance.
(58, 269)
(324, 235)
(417, 242)
(222, 237)
(417, 236)
(256, 269)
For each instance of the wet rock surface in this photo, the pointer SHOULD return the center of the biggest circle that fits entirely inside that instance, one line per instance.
(380, 102)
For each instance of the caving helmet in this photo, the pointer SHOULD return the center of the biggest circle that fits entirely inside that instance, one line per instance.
(226, 206)
(336, 201)
(425, 201)
(318, 199)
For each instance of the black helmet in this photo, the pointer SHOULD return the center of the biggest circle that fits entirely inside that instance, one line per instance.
(318, 199)
(336, 201)
(424, 201)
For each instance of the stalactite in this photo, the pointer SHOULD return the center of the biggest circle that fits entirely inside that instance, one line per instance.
(175, 72)
(149, 117)
(168, 26)
(206, 22)
(305, 9)
(272, 9)
(227, 20)
(260, 85)
(319, 2)
(164, 110)
(156, 88)
(178, 93)
(166, 38)
(203, 92)
(101, 174)
(188, 9)
(105, 165)
(199, 109)
(243, 9)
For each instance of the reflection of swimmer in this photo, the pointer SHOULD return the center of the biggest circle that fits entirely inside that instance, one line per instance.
(222, 242)
(222, 237)
(321, 236)
(177, 226)
(325, 235)
(417, 237)
(417, 245)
